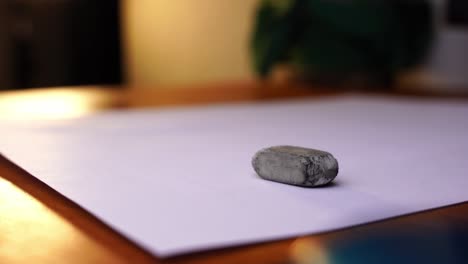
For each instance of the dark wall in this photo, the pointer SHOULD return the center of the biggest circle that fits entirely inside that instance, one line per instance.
(458, 12)
(5, 61)
(61, 42)
(97, 57)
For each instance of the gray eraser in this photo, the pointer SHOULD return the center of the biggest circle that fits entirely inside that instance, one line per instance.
(295, 165)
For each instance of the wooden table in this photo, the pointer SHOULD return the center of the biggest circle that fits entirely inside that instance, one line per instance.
(39, 225)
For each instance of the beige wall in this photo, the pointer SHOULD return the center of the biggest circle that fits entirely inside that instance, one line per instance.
(187, 41)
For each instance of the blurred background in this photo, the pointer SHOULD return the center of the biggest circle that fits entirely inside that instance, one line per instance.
(161, 45)
(155, 43)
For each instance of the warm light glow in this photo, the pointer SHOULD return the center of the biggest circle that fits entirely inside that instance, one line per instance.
(27, 220)
(46, 104)
(30, 232)
(308, 251)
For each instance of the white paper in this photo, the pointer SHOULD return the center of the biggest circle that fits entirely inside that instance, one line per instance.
(177, 180)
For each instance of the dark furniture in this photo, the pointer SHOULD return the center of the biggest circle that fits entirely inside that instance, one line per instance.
(59, 42)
